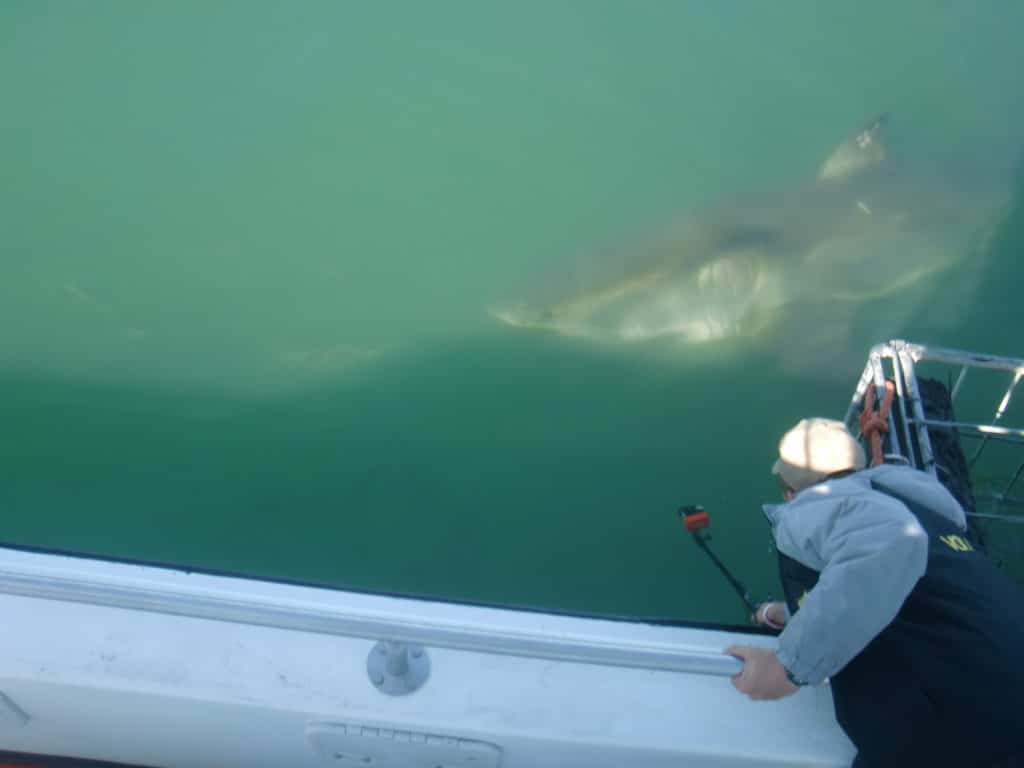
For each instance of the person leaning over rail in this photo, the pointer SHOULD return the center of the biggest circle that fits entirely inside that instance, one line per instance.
(919, 634)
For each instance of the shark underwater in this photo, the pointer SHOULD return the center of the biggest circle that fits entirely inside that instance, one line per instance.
(862, 230)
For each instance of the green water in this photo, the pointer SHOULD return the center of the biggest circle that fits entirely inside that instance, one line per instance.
(247, 251)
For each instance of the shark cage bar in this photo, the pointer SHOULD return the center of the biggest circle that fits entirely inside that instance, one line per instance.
(936, 412)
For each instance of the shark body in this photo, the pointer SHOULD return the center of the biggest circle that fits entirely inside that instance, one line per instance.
(862, 229)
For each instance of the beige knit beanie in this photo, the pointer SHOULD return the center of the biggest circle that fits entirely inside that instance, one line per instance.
(814, 449)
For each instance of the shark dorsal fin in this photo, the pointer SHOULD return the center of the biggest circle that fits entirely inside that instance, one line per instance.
(865, 149)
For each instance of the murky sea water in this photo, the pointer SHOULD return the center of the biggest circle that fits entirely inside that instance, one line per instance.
(249, 250)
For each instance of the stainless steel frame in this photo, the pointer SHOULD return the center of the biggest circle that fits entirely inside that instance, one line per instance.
(898, 360)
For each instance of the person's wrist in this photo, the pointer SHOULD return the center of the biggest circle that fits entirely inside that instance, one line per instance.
(792, 679)
(786, 661)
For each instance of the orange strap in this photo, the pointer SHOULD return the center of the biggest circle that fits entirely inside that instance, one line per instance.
(873, 423)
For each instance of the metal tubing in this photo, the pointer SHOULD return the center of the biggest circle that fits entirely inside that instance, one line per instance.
(1009, 434)
(924, 441)
(959, 380)
(525, 642)
(903, 404)
(999, 412)
(1016, 477)
(959, 357)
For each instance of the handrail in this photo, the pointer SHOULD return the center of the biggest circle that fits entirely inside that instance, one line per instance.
(237, 608)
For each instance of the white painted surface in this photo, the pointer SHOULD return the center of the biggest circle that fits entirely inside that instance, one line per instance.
(153, 685)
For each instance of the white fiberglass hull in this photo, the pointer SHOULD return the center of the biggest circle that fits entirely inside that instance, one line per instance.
(158, 667)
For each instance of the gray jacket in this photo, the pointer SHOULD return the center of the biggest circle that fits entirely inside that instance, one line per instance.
(870, 551)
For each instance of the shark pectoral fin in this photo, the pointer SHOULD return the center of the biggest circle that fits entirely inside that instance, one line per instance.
(890, 286)
(522, 316)
(543, 319)
(865, 149)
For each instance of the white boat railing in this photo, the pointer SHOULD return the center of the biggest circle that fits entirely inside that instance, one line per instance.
(409, 621)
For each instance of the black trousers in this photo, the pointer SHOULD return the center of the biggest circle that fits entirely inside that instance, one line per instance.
(1011, 761)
